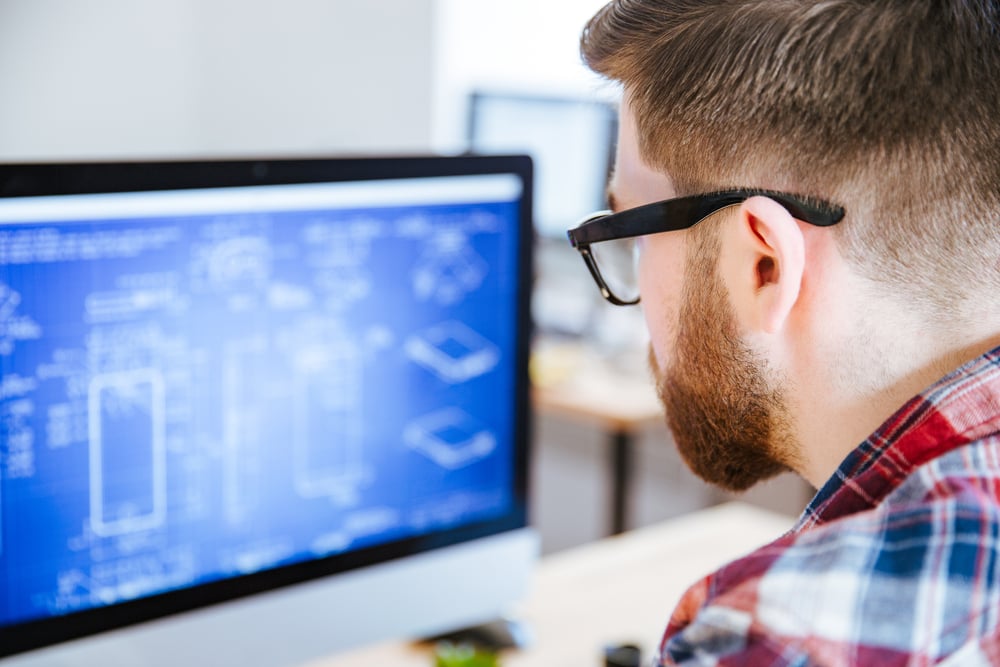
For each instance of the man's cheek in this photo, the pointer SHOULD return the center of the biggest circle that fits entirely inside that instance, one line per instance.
(661, 322)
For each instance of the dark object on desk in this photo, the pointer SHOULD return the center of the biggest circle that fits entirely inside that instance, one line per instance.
(497, 635)
(622, 655)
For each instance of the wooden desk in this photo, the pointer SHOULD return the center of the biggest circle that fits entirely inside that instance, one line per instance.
(571, 381)
(621, 589)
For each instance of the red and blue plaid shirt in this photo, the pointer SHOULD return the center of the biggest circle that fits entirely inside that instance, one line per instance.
(896, 561)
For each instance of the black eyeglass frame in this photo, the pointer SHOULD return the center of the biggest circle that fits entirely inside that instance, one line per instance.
(683, 213)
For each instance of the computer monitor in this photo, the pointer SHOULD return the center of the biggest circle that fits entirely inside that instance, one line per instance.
(570, 139)
(252, 412)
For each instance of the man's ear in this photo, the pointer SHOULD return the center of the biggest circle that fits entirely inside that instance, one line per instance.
(763, 264)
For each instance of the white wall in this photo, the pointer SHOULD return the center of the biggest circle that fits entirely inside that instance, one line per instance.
(513, 46)
(135, 78)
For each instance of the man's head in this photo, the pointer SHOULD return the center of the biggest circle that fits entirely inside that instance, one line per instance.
(889, 109)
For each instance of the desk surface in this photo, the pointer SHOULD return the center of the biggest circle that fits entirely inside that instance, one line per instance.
(620, 589)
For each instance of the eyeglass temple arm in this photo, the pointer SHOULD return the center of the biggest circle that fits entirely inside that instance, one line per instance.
(649, 218)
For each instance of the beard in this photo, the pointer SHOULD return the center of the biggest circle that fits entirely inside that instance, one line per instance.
(729, 424)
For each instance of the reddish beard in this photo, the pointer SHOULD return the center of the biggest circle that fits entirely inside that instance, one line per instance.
(729, 424)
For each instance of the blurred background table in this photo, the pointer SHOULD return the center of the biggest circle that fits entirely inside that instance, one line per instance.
(572, 381)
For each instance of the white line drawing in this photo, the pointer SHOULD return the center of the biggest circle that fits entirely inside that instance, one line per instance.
(240, 263)
(123, 394)
(343, 240)
(343, 285)
(450, 438)
(9, 301)
(327, 421)
(288, 296)
(13, 327)
(258, 556)
(453, 351)
(241, 429)
(121, 304)
(338, 253)
(448, 269)
(333, 542)
(123, 578)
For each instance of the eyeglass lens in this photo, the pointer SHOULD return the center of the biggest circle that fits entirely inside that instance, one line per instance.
(618, 263)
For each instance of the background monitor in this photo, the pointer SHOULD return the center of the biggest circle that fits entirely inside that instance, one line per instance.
(252, 412)
(571, 141)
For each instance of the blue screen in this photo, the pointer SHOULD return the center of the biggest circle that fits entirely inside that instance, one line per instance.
(241, 382)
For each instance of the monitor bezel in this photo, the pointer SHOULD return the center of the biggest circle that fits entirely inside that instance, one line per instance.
(81, 178)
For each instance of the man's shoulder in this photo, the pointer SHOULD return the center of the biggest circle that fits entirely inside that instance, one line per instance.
(948, 501)
(918, 573)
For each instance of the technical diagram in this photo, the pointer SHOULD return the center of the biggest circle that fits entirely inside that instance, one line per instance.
(123, 304)
(188, 396)
(242, 262)
(12, 326)
(343, 285)
(242, 431)
(338, 254)
(328, 422)
(234, 261)
(448, 269)
(453, 351)
(9, 300)
(285, 296)
(127, 452)
(450, 438)
(124, 579)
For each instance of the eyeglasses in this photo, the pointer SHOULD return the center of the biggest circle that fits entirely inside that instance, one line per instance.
(606, 240)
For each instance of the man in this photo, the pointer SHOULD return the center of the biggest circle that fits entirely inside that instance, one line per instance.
(843, 288)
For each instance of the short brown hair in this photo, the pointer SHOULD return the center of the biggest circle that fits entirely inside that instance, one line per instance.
(888, 107)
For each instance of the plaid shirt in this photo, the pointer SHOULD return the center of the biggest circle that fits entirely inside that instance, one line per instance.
(896, 561)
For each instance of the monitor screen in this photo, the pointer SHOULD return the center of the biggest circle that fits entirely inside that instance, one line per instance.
(221, 379)
(570, 140)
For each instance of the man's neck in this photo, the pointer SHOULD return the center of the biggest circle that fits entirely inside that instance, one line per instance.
(845, 402)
